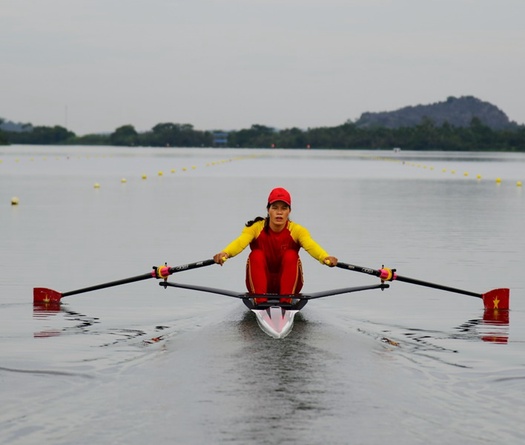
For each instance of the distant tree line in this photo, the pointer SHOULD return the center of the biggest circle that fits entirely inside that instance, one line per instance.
(3, 136)
(162, 135)
(424, 136)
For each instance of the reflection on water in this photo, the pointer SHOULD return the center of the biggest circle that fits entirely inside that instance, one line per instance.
(284, 381)
(492, 327)
(81, 322)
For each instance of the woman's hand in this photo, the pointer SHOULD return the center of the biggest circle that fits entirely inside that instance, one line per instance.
(330, 261)
(220, 258)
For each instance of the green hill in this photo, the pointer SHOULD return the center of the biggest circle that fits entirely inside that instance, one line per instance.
(458, 112)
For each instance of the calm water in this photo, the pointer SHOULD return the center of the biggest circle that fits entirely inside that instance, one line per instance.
(138, 364)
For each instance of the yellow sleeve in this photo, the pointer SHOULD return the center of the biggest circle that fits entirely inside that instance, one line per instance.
(302, 236)
(246, 237)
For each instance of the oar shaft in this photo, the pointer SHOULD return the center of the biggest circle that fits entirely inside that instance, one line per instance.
(167, 271)
(110, 284)
(438, 286)
(378, 273)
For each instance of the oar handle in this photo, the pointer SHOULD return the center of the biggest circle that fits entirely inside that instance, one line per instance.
(367, 270)
(189, 266)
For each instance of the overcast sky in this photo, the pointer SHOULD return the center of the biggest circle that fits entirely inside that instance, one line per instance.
(94, 65)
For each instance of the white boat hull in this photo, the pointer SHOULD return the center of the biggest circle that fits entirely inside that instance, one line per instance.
(275, 321)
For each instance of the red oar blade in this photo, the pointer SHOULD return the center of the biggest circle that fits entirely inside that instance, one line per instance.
(41, 296)
(497, 299)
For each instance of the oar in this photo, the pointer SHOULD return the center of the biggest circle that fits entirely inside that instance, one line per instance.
(42, 295)
(493, 299)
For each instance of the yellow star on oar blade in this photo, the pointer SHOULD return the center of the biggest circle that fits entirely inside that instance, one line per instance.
(495, 302)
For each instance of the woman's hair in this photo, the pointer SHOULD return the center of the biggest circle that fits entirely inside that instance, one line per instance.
(253, 221)
(257, 219)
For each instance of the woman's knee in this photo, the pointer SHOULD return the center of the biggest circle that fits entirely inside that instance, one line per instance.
(290, 256)
(257, 256)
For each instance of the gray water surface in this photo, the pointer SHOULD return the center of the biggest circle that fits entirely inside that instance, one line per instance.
(138, 364)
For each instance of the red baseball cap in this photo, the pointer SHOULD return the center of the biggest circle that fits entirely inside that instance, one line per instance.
(280, 194)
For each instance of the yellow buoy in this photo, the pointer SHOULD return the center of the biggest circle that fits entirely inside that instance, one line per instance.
(518, 184)
(160, 173)
(97, 185)
(14, 201)
(123, 180)
(465, 174)
(498, 180)
(184, 169)
(478, 176)
(444, 170)
(193, 167)
(173, 170)
(144, 177)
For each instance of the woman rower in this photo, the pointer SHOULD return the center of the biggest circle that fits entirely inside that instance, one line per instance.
(274, 265)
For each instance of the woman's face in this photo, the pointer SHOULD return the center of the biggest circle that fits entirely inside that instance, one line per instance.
(278, 212)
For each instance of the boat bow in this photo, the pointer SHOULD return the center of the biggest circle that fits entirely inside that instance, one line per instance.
(275, 321)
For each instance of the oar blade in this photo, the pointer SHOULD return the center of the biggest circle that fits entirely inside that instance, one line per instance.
(43, 296)
(497, 299)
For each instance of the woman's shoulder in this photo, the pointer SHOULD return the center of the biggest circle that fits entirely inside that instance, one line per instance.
(296, 228)
(256, 222)
(293, 224)
(254, 226)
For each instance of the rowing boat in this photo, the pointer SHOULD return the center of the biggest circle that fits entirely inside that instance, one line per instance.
(274, 317)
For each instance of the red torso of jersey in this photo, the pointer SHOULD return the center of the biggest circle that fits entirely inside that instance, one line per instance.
(274, 244)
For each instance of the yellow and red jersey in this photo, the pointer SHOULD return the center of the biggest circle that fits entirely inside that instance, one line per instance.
(293, 236)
